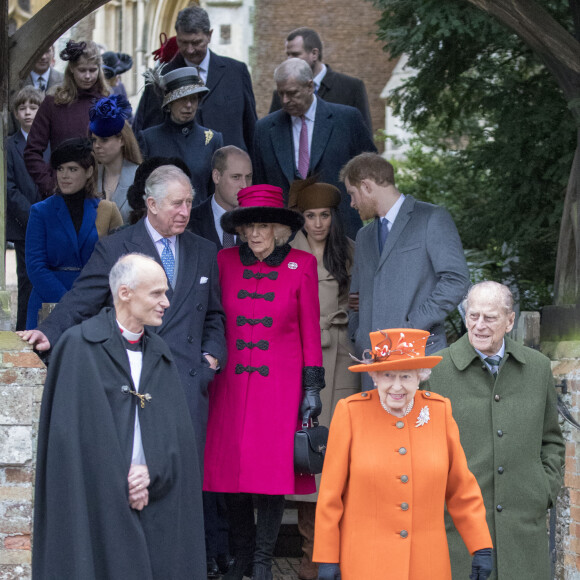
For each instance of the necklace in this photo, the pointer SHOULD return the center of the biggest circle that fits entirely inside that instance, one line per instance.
(407, 410)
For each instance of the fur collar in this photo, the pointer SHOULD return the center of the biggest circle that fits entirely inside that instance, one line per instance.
(274, 259)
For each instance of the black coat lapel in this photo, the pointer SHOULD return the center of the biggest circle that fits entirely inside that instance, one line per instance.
(323, 127)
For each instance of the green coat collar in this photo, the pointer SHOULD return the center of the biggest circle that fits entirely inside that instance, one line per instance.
(462, 353)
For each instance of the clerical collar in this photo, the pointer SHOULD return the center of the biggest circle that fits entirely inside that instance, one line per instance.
(129, 336)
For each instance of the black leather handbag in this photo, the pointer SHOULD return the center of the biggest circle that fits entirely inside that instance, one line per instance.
(310, 448)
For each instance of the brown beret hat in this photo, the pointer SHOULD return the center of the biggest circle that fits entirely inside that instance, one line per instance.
(307, 194)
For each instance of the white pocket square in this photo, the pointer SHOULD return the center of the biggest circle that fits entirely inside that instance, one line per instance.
(203, 280)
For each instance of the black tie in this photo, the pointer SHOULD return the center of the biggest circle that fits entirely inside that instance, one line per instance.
(383, 233)
(41, 84)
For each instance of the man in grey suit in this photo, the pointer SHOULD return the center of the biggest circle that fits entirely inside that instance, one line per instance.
(409, 269)
(332, 86)
(193, 325)
(43, 76)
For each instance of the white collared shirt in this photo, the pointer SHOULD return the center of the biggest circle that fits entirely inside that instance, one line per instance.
(319, 77)
(159, 246)
(218, 211)
(500, 353)
(202, 67)
(157, 237)
(24, 133)
(297, 126)
(392, 214)
(35, 76)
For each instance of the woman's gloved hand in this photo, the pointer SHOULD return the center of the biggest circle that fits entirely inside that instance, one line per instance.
(328, 572)
(312, 383)
(481, 565)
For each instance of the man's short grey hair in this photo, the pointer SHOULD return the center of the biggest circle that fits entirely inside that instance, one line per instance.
(126, 271)
(192, 20)
(295, 69)
(501, 293)
(157, 183)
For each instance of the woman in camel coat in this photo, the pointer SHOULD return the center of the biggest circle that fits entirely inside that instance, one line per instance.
(394, 460)
(323, 237)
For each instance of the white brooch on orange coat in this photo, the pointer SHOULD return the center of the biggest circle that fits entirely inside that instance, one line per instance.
(423, 417)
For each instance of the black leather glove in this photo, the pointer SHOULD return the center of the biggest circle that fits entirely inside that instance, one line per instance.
(481, 565)
(312, 383)
(328, 572)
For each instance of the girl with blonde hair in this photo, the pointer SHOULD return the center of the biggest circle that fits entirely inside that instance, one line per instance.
(65, 114)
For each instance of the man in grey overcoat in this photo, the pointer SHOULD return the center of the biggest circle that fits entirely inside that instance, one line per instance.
(409, 269)
(504, 403)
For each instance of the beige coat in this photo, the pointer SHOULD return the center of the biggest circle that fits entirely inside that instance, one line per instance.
(336, 345)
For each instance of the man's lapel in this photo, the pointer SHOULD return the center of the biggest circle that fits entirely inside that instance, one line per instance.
(186, 276)
(323, 126)
(401, 221)
(283, 144)
(216, 71)
(20, 143)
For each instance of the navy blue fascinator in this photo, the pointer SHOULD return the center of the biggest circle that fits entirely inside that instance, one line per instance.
(108, 115)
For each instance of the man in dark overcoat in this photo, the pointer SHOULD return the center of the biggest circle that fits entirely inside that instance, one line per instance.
(118, 487)
(330, 85)
(308, 136)
(193, 325)
(231, 171)
(504, 402)
(230, 106)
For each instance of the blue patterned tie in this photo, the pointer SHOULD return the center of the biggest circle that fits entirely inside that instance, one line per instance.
(168, 260)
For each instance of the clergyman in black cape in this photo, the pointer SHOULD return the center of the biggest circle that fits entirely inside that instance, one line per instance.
(118, 498)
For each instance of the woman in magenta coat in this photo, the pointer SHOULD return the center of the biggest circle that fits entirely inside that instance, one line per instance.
(273, 376)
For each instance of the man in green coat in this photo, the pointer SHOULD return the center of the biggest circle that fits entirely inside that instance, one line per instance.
(504, 403)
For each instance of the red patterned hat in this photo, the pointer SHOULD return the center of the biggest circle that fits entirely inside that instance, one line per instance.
(397, 349)
(261, 204)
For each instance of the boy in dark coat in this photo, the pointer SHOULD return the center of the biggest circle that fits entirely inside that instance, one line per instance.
(21, 191)
(118, 489)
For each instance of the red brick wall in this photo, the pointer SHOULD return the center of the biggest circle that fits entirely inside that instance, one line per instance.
(22, 375)
(347, 29)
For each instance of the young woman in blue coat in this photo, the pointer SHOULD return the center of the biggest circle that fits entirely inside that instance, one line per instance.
(62, 230)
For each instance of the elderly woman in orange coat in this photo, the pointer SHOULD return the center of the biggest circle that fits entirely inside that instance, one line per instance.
(393, 462)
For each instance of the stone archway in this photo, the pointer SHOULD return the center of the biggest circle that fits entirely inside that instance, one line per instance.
(160, 17)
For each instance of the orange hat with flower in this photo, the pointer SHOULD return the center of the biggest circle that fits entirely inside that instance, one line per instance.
(397, 349)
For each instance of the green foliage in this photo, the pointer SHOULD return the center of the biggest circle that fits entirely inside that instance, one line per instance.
(495, 139)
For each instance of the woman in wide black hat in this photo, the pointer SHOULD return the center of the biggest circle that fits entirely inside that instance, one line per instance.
(272, 378)
(180, 135)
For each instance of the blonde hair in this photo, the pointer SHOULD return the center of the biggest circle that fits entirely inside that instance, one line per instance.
(131, 151)
(282, 233)
(67, 93)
